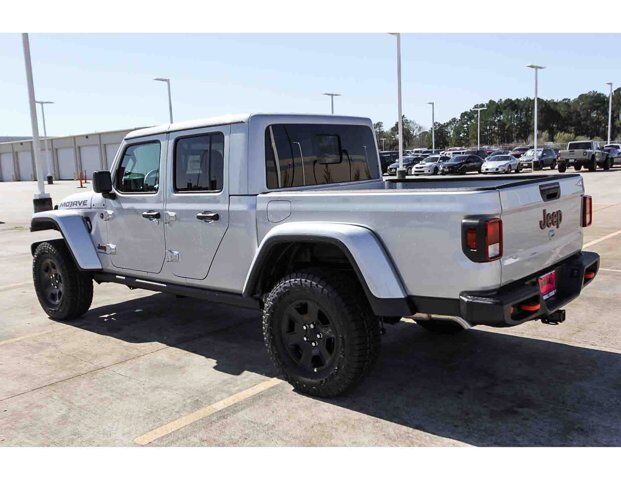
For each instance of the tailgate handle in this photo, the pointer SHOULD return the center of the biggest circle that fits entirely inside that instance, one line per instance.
(550, 191)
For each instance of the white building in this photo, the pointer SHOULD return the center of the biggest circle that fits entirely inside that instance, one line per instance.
(70, 156)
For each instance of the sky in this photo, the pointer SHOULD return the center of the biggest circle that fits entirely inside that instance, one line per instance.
(105, 82)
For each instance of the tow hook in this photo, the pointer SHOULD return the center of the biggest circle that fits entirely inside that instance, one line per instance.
(554, 318)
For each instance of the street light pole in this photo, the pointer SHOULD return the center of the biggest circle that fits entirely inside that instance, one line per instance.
(536, 68)
(609, 112)
(433, 126)
(48, 160)
(400, 170)
(332, 95)
(41, 200)
(478, 109)
(167, 82)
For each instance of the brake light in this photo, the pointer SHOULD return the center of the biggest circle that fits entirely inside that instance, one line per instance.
(587, 210)
(493, 238)
(482, 238)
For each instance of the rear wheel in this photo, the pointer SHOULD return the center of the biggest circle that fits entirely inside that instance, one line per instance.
(320, 332)
(562, 167)
(64, 291)
(553, 165)
(592, 165)
(442, 327)
(577, 167)
(607, 163)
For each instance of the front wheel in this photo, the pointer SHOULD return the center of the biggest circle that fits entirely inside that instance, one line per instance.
(518, 169)
(64, 291)
(592, 165)
(562, 167)
(320, 332)
(553, 165)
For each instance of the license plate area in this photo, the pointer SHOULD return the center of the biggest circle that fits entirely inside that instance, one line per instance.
(547, 285)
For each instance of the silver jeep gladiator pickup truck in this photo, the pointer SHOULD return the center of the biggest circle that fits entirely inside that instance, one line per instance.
(289, 214)
(587, 153)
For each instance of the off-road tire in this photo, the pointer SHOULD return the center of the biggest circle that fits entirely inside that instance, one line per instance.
(592, 165)
(441, 327)
(577, 167)
(607, 163)
(356, 331)
(562, 167)
(53, 259)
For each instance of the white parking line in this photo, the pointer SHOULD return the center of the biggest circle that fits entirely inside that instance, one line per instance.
(610, 270)
(605, 237)
(205, 412)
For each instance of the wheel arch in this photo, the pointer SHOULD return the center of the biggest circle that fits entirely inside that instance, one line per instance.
(361, 248)
(74, 231)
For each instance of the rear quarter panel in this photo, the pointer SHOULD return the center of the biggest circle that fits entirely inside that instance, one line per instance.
(421, 231)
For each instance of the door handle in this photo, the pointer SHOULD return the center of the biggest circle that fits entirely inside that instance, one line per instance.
(208, 217)
(151, 215)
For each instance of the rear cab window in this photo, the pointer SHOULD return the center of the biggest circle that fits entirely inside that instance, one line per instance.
(299, 155)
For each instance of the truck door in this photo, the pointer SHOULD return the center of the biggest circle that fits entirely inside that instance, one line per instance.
(197, 202)
(135, 226)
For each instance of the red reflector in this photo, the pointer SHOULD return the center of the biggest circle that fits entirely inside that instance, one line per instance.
(530, 307)
(587, 210)
(471, 238)
(493, 238)
(589, 275)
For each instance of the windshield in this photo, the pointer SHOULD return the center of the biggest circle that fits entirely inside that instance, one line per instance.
(458, 159)
(501, 158)
(531, 152)
(579, 146)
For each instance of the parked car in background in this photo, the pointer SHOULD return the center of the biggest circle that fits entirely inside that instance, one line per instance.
(408, 162)
(614, 152)
(430, 165)
(584, 153)
(386, 158)
(519, 151)
(495, 153)
(461, 164)
(546, 157)
(501, 164)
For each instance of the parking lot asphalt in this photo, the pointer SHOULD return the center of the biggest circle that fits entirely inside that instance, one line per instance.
(143, 368)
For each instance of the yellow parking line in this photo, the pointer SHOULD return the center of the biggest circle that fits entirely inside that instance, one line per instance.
(32, 335)
(205, 412)
(605, 237)
(15, 285)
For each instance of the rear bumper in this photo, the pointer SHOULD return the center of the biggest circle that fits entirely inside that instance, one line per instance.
(501, 308)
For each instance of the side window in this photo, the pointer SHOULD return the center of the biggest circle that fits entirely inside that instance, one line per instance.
(199, 163)
(139, 170)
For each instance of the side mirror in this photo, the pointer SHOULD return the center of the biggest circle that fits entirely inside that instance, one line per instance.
(102, 183)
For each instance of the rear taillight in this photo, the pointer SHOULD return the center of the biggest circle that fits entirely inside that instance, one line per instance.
(482, 238)
(587, 210)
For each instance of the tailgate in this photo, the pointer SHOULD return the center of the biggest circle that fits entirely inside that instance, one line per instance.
(531, 243)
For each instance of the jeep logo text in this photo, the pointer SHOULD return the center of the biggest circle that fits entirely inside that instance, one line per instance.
(553, 219)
